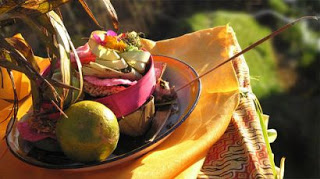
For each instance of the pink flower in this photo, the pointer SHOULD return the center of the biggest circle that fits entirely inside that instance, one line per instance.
(111, 33)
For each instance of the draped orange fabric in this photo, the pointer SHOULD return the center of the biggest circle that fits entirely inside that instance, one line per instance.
(181, 155)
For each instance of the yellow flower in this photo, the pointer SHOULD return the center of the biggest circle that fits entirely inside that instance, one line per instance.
(113, 43)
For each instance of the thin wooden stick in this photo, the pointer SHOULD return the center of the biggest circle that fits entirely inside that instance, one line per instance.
(273, 34)
(57, 107)
(15, 104)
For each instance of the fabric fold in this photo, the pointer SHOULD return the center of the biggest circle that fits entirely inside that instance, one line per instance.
(183, 151)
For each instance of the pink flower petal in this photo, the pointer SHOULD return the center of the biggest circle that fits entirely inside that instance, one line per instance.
(111, 33)
(98, 40)
(85, 55)
(108, 82)
(28, 134)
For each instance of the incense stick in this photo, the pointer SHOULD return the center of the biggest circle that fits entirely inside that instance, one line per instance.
(273, 34)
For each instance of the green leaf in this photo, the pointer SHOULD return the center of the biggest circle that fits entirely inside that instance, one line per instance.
(281, 173)
(265, 134)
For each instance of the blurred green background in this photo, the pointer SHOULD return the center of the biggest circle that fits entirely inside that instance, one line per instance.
(284, 71)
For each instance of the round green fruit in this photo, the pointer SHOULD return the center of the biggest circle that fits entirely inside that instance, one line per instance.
(90, 133)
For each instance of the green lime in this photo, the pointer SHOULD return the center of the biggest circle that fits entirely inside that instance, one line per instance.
(90, 133)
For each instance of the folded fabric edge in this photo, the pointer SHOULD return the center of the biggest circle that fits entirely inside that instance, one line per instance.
(241, 69)
(192, 171)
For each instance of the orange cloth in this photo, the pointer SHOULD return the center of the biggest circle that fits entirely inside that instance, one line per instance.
(182, 154)
(22, 82)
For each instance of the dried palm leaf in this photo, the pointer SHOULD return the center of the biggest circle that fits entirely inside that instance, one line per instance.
(6, 6)
(89, 12)
(14, 59)
(111, 13)
(64, 50)
(22, 8)
(20, 44)
(102, 6)
(43, 27)
(16, 54)
(17, 8)
(65, 47)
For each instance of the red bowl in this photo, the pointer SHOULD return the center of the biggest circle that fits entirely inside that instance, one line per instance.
(130, 99)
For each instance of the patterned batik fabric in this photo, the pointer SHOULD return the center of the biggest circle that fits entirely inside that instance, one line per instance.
(241, 152)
